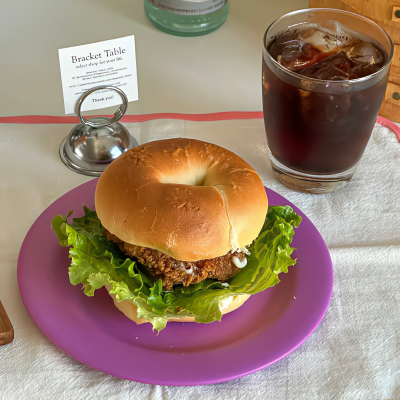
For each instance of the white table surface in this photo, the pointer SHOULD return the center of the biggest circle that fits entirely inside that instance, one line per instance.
(216, 72)
(354, 352)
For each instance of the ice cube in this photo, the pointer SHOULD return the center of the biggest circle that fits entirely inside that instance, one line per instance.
(333, 68)
(322, 41)
(364, 53)
(361, 70)
(329, 37)
(343, 35)
(288, 39)
(294, 58)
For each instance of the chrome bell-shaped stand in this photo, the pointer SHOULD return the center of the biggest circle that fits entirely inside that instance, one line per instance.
(95, 142)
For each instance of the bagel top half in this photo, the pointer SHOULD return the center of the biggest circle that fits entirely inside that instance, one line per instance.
(188, 199)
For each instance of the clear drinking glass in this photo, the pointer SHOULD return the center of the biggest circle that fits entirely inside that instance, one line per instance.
(317, 130)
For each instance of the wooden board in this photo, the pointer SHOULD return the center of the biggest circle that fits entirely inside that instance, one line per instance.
(391, 105)
(390, 111)
(6, 328)
(394, 74)
(382, 11)
(330, 4)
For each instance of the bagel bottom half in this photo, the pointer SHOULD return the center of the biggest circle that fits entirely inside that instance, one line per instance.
(130, 310)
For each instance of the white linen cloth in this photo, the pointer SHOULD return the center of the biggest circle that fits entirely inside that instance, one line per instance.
(353, 354)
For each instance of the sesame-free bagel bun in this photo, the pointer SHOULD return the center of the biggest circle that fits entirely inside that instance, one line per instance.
(130, 310)
(188, 199)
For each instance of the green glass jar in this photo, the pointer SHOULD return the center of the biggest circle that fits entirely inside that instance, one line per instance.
(187, 17)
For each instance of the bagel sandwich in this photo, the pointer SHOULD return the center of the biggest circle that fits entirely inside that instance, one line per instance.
(182, 232)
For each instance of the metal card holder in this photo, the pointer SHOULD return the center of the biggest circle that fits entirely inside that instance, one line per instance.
(94, 143)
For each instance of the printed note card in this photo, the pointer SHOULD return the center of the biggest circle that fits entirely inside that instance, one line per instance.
(111, 63)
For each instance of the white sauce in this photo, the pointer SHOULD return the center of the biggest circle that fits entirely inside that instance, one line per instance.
(225, 284)
(225, 303)
(238, 262)
(189, 271)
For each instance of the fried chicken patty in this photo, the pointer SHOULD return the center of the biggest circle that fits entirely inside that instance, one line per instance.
(172, 271)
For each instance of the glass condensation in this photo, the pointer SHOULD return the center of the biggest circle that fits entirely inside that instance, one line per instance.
(186, 25)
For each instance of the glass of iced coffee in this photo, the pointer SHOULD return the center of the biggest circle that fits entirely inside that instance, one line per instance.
(324, 78)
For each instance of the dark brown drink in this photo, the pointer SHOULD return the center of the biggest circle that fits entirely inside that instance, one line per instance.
(320, 103)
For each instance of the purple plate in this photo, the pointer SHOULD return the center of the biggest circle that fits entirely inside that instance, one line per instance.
(269, 326)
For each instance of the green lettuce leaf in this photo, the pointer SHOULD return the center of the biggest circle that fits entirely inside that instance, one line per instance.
(97, 262)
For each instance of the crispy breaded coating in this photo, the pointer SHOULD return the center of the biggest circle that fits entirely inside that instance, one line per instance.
(172, 271)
